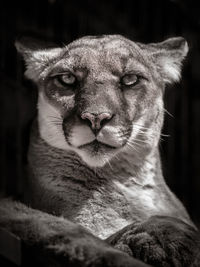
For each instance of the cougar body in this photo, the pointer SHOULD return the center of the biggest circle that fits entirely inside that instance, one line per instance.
(104, 200)
(94, 147)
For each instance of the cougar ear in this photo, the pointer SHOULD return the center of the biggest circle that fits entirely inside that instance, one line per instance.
(36, 57)
(169, 56)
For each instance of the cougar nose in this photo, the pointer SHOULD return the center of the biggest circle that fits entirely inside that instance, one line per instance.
(96, 121)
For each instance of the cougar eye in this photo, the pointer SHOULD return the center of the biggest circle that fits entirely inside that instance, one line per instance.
(129, 79)
(65, 79)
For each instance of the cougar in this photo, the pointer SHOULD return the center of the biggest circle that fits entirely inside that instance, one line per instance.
(94, 147)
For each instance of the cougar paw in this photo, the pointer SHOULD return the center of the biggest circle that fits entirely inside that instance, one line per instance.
(160, 241)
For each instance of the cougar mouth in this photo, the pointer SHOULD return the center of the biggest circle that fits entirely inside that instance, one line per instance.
(97, 145)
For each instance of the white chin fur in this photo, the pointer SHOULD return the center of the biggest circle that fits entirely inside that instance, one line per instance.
(94, 161)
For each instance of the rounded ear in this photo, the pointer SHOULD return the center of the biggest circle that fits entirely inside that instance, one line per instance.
(168, 56)
(37, 56)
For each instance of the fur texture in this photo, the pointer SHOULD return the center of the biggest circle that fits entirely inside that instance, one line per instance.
(107, 179)
(52, 241)
(160, 241)
(105, 174)
(99, 66)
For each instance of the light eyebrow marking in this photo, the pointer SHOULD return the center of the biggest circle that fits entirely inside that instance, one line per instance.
(59, 71)
(135, 66)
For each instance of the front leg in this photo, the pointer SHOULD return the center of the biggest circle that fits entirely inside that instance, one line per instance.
(55, 241)
(160, 241)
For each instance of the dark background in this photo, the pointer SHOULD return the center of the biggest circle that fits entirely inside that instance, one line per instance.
(63, 21)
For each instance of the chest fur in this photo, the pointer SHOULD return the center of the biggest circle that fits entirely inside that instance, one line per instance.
(103, 207)
(104, 201)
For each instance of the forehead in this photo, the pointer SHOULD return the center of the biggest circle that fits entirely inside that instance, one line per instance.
(109, 52)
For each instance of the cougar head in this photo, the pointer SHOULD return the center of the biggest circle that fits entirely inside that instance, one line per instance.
(102, 95)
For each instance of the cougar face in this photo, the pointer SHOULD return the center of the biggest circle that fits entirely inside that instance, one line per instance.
(100, 96)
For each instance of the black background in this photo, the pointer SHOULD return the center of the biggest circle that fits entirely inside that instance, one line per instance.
(63, 21)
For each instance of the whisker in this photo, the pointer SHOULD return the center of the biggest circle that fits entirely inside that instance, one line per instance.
(131, 146)
(165, 135)
(117, 157)
(136, 144)
(106, 161)
(166, 111)
(142, 141)
(148, 134)
(140, 132)
(55, 117)
(56, 122)
(109, 164)
(141, 126)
